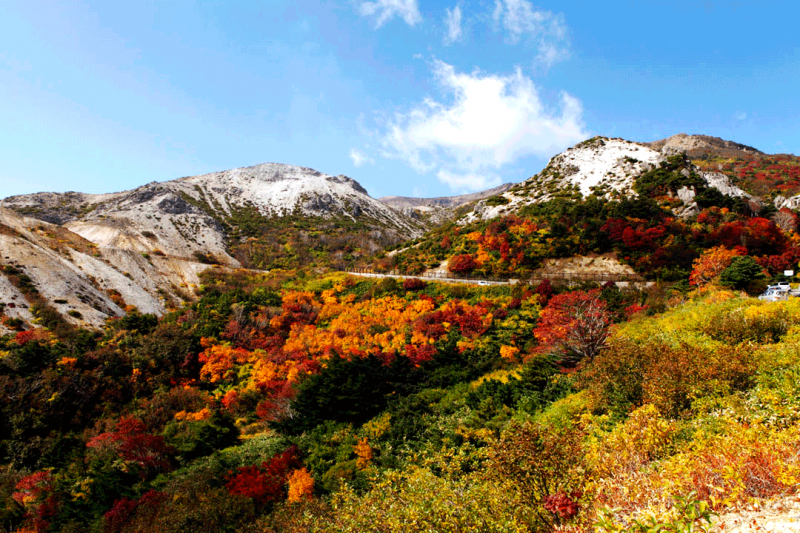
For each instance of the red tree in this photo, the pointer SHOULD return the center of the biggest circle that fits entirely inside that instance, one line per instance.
(267, 482)
(132, 443)
(461, 264)
(576, 324)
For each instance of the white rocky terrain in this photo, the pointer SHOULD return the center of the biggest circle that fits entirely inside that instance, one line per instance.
(26, 247)
(149, 244)
(602, 166)
(699, 145)
(187, 215)
(437, 210)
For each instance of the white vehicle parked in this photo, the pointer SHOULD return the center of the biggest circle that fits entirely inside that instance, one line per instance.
(779, 292)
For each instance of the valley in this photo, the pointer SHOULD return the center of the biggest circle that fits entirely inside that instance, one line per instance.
(270, 349)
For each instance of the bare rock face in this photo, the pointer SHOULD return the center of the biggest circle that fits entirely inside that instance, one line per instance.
(700, 145)
(438, 210)
(723, 184)
(146, 247)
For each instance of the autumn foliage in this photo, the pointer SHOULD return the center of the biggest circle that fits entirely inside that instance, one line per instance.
(711, 264)
(575, 325)
(131, 442)
(265, 483)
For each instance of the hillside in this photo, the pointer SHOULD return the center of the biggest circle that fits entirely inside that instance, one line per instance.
(603, 167)
(610, 199)
(148, 245)
(299, 400)
(45, 266)
(274, 404)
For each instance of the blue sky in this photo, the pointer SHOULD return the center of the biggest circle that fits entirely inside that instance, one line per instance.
(409, 97)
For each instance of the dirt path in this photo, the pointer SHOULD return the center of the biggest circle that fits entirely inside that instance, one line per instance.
(772, 516)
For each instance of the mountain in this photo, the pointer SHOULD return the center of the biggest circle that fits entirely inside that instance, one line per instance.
(601, 166)
(149, 244)
(696, 146)
(438, 210)
(621, 209)
(192, 214)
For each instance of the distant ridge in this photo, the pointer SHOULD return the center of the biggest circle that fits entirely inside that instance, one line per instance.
(700, 145)
(447, 202)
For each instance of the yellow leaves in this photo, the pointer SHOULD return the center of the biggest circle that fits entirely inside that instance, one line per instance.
(364, 452)
(265, 371)
(219, 361)
(203, 414)
(207, 342)
(293, 371)
(329, 297)
(639, 440)
(417, 500)
(711, 264)
(465, 345)
(509, 353)
(482, 435)
(369, 326)
(503, 376)
(482, 257)
(377, 427)
(68, 361)
(301, 485)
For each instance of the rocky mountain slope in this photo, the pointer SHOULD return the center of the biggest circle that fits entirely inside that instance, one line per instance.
(86, 283)
(696, 146)
(440, 209)
(149, 244)
(190, 214)
(602, 166)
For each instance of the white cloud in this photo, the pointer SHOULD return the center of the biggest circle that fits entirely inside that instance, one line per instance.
(359, 158)
(544, 29)
(490, 121)
(452, 21)
(383, 10)
(740, 116)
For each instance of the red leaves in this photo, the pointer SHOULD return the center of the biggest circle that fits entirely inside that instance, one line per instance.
(266, 482)
(32, 487)
(132, 443)
(33, 493)
(461, 264)
(123, 510)
(576, 324)
(413, 284)
(420, 354)
(563, 505)
(544, 291)
(472, 321)
(24, 337)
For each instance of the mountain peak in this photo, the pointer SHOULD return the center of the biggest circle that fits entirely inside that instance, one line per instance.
(699, 145)
(606, 167)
